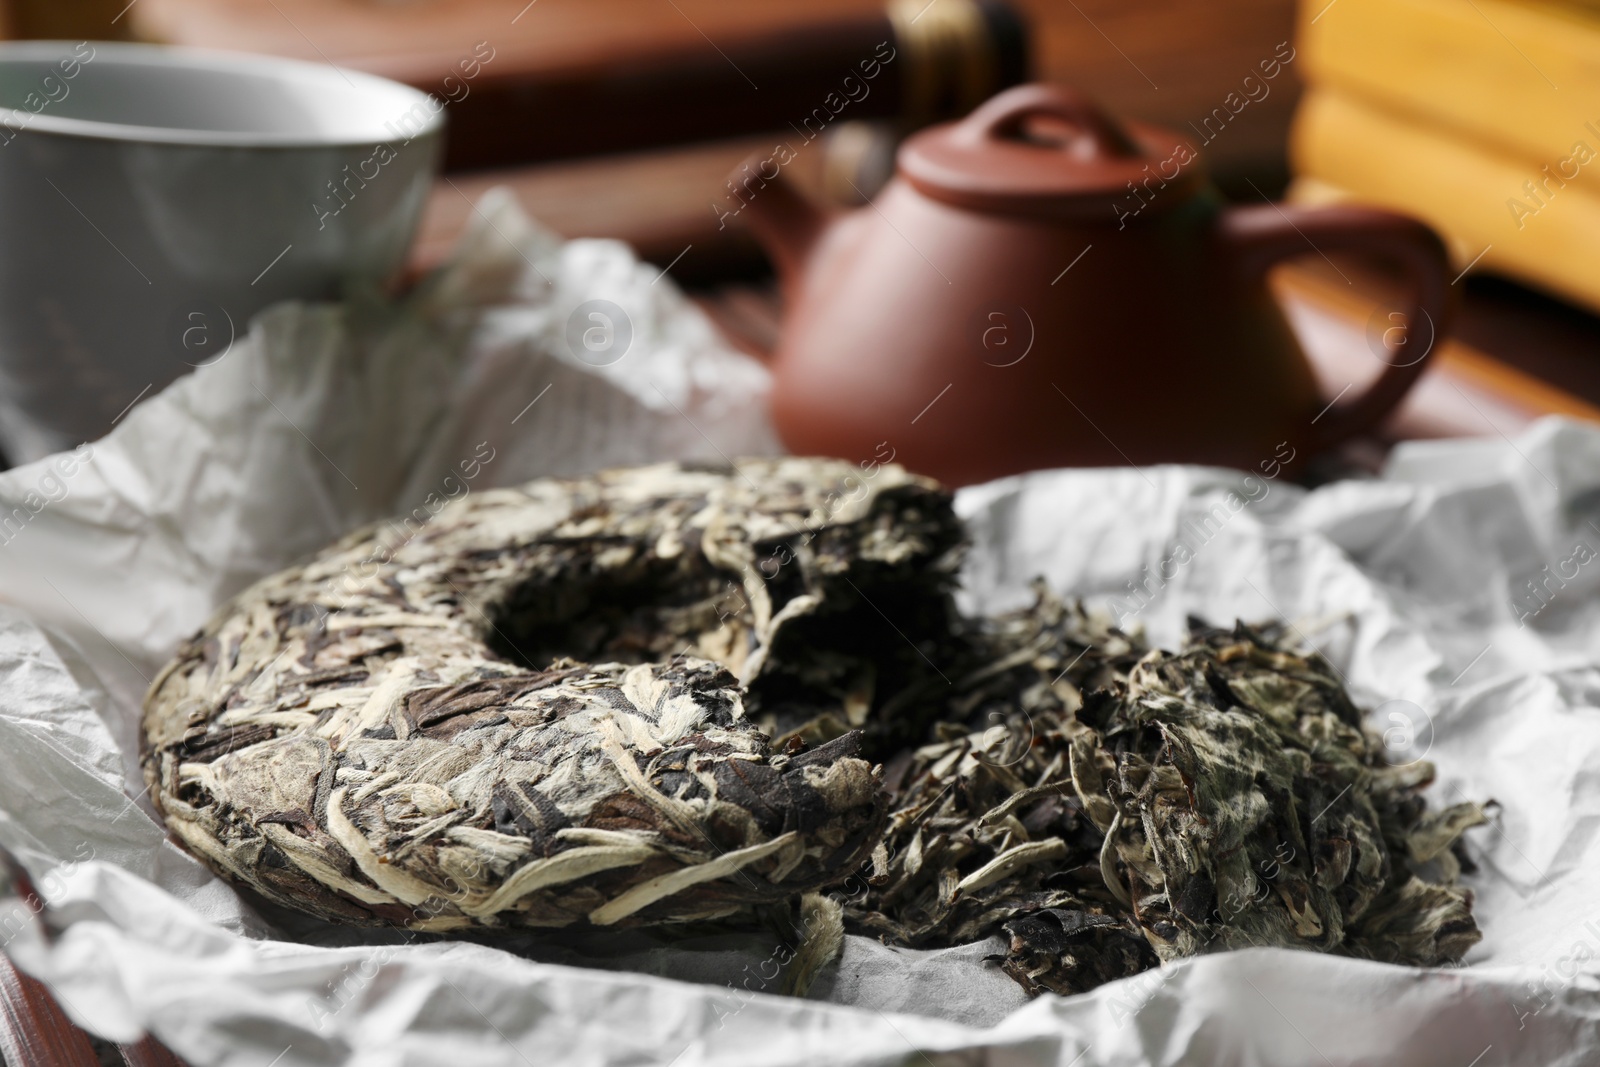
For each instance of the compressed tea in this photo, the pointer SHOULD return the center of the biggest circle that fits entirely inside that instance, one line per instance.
(514, 715)
(667, 695)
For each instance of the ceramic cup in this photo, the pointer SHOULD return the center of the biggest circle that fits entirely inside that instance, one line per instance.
(153, 199)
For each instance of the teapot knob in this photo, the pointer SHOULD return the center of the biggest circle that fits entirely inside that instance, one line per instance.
(1003, 118)
(1044, 150)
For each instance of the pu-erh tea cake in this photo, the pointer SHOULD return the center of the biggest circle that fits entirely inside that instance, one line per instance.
(670, 695)
(516, 715)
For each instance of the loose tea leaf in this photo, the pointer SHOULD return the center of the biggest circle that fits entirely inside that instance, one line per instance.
(987, 833)
(1105, 807)
(442, 728)
(821, 929)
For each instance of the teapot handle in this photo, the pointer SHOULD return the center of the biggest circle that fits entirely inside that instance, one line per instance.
(1262, 235)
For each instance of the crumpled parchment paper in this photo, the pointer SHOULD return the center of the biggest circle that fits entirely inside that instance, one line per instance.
(1456, 593)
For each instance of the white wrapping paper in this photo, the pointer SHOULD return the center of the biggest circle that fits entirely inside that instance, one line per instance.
(1456, 592)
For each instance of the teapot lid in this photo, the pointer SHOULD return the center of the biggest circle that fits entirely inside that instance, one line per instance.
(1074, 158)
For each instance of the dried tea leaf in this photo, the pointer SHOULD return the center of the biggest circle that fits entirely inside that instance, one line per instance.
(657, 695)
(1105, 807)
(512, 716)
(988, 833)
(821, 940)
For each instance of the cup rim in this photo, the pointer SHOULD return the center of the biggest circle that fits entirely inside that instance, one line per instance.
(138, 54)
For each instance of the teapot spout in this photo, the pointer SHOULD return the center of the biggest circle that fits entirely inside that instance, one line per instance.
(785, 221)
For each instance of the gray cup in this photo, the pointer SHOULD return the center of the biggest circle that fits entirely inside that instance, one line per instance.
(152, 199)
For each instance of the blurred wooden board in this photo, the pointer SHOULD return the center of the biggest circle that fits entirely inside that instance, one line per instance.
(1167, 61)
(660, 202)
(525, 82)
(551, 35)
(33, 1028)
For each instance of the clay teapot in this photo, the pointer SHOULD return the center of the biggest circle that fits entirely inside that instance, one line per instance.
(1041, 286)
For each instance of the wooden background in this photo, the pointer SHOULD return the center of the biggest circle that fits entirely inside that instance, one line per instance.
(1168, 61)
